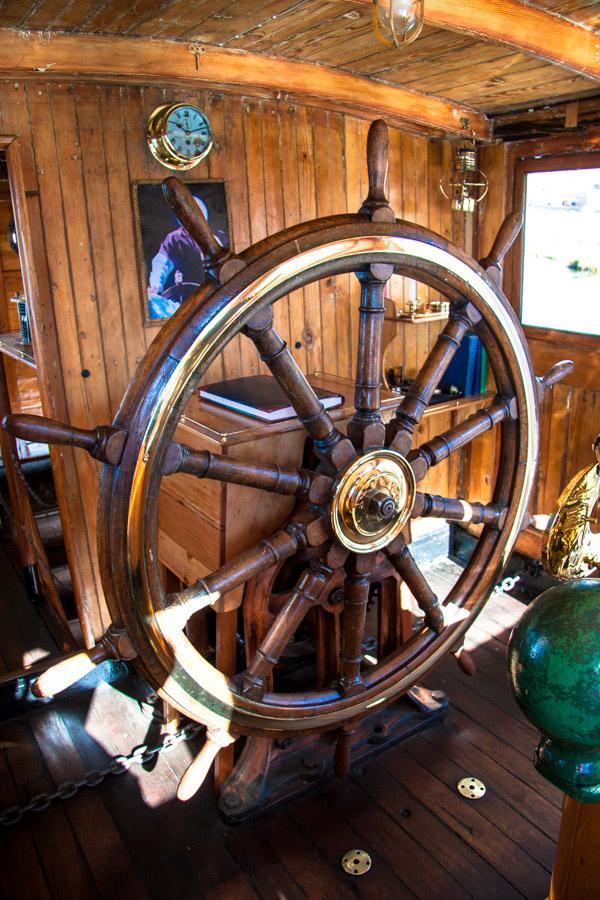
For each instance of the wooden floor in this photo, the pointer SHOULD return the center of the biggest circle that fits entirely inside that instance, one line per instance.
(129, 838)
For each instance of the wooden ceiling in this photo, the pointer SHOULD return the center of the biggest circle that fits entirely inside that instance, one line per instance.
(337, 34)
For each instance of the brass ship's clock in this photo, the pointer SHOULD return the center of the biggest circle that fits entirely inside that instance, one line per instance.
(179, 135)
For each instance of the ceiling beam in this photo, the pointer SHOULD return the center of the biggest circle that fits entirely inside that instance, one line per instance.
(521, 27)
(93, 56)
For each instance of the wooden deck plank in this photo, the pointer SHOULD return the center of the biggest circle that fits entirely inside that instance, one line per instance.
(21, 873)
(335, 835)
(478, 877)
(425, 840)
(526, 803)
(526, 876)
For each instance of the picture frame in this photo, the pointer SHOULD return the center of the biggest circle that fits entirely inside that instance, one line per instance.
(169, 260)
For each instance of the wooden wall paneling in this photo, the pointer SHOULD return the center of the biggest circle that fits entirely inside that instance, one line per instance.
(555, 427)
(256, 176)
(134, 117)
(83, 292)
(291, 216)
(308, 210)
(409, 213)
(33, 192)
(238, 200)
(354, 161)
(106, 293)
(342, 283)
(326, 288)
(216, 164)
(274, 199)
(584, 426)
(122, 227)
(85, 295)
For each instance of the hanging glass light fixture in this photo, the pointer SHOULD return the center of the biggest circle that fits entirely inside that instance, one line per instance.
(466, 185)
(398, 22)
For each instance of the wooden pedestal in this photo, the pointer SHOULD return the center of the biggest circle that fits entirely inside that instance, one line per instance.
(576, 874)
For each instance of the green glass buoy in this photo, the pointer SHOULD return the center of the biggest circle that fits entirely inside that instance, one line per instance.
(554, 667)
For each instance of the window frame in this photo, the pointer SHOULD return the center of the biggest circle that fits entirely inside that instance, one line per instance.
(546, 162)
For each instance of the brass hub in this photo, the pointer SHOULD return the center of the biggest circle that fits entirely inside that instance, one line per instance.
(372, 500)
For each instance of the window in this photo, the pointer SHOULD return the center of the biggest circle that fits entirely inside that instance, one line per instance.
(560, 285)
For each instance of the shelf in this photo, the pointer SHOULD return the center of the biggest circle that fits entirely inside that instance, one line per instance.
(227, 427)
(418, 317)
(10, 345)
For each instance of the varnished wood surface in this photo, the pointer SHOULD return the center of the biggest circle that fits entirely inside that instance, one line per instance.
(129, 838)
(340, 35)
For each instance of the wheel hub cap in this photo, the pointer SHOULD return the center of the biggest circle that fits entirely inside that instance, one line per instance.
(372, 500)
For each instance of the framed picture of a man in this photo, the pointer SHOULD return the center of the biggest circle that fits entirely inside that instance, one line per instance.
(170, 260)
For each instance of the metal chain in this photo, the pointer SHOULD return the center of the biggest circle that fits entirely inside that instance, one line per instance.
(508, 583)
(34, 495)
(41, 561)
(117, 766)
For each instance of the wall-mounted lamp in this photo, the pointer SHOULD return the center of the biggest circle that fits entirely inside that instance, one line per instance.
(398, 22)
(466, 185)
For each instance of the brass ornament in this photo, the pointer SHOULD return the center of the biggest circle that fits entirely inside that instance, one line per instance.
(571, 543)
(372, 500)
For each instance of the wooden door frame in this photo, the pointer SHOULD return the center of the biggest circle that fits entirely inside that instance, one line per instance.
(25, 198)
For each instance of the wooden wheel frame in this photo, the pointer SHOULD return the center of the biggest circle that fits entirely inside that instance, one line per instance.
(353, 506)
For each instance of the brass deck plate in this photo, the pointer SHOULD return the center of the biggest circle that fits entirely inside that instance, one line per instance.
(471, 788)
(356, 862)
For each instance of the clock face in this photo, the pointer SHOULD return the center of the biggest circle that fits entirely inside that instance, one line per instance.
(188, 131)
(179, 135)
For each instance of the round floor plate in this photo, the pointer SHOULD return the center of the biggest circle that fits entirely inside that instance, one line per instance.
(356, 862)
(471, 788)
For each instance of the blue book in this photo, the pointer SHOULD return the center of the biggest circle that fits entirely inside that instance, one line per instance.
(462, 370)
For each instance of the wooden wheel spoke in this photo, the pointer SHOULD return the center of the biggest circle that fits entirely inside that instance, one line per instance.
(306, 593)
(442, 446)
(403, 561)
(309, 409)
(419, 394)
(356, 596)
(434, 506)
(367, 393)
(216, 466)
(207, 591)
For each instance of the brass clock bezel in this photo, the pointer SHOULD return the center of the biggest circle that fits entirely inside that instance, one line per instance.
(159, 144)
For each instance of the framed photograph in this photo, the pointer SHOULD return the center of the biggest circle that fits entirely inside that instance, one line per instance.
(170, 261)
